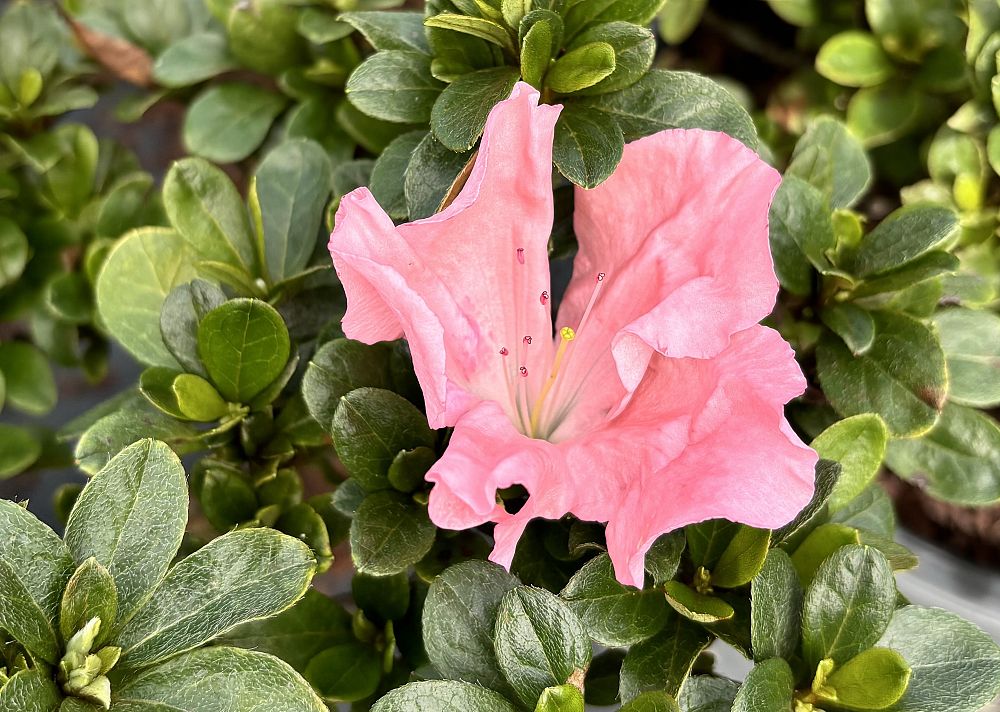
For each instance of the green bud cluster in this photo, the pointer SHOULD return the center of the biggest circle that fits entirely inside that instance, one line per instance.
(83, 673)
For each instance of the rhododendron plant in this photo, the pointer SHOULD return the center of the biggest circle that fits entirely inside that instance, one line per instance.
(659, 401)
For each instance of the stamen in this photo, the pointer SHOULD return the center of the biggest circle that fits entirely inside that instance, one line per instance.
(503, 351)
(544, 298)
(567, 335)
(593, 300)
(523, 371)
(520, 255)
(527, 340)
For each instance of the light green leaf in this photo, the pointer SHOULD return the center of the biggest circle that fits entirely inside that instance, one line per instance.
(696, 606)
(651, 701)
(482, 28)
(872, 680)
(705, 693)
(971, 343)
(613, 614)
(442, 696)
(742, 557)
(19, 449)
(193, 59)
(854, 59)
(31, 690)
(13, 252)
(228, 122)
(217, 680)
(90, 593)
(131, 517)
(390, 30)
(879, 115)
(244, 575)
(678, 19)
(539, 642)
(581, 67)
(801, 233)
(829, 157)
(244, 345)
(345, 672)
(633, 47)
(858, 444)
(959, 459)
(29, 382)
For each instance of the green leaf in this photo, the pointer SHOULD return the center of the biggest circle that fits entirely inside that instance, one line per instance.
(829, 157)
(31, 690)
(183, 309)
(337, 368)
(389, 533)
(858, 444)
(870, 511)
(775, 608)
(217, 680)
(664, 100)
(458, 622)
(742, 558)
(564, 698)
(696, 606)
(442, 696)
(872, 680)
(193, 59)
(430, 175)
(580, 15)
(959, 460)
(406, 473)
(292, 188)
(228, 122)
(587, 146)
(244, 345)
(854, 59)
(539, 643)
(14, 252)
(30, 385)
(848, 605)
(704, 693)
(801, 233)
(206, 210)
(536, 52)
(226, 498)
(305, 524)
(821, 542)
(389, 174)
(395, 85)
(652, 702)
(110, 521)
(34, 568)
(879, 115)
(664, 556)
(917, 272)
(827, 473)
(382, 598)
(902, 377)
(581, 67)
(663, 662)
(852, 324)
(263, 35)
(678, 19)
(321, 26)
(482, 28)
(768, 686)
(345, 672)
(707, 540)
(298, 634)
(613, 614)
(371, 427)
(955, 666)
(90, 593)
(906, 234)
(19, 449)
(390, 30)
(244, 575)
(971, 343)
(459, 114)
(197, 399)
(68, 297)
(633, 47)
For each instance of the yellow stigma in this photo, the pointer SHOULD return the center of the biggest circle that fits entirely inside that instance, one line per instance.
(567, 335)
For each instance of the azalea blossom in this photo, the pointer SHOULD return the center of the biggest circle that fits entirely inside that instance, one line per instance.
(659, 400)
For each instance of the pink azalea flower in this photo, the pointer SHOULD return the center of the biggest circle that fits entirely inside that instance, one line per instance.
(659, 402)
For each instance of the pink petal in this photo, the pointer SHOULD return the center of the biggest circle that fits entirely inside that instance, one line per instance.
(680, 230)
(453, 284)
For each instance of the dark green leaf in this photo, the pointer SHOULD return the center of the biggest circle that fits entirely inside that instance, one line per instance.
(389, 533)
(769, 686)
(442, 696)
(31, 690)
(390, 30)
(801, 233)
(226, 498)
(588, 145)
(664, 661)
(879, 115)
(337, 368)
(459, 114)
(345, 672)
(539, 643)
(479, 27)
(905, 235)
(395, 85)
(429, 176)
(912, 274)
(833, 160)
(664, 556)
(852, 324)
(183, 309)
(389, 174)
(775, 608)
(19, 449)
(406, 473)
(704, 693)
(827, 473)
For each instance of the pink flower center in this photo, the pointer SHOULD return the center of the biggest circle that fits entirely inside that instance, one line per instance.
(539, 410)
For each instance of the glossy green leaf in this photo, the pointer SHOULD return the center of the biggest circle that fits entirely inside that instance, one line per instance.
(229, 121)
(872, 680)
(742, 558)
(458, 620)
(614, 615)
(345, 672)
(539, 642)
(217, 679)
(389, 533)
(442, 696)
(587, 146)
(827, 474)
(879, 115)
(912, 274)
(821, 542)
(406, 473)
(292, 188)
(390, 30)
(768, 686)
(226, 498)
(852, 324)
(371, 427)
(664, 556)
(244, 575)
(833, 160)
(905, 235)
(848, 605)
(14, 252)
(854, 59)
(971, 343)
(801, 233)
(902, 376)
(244, 345)
(395, 85)
(206, 210)
(185, 306)
(337, 368)
(479, 27)
(459, 114)
(696, 606)
(581, 67)
(388, 179)
(775, 608)
(958, 461)
(707, 540)
(955, 666)
(430, 175)
(30, 385)
(858, 443)
(111, 520)
(663, 662)
(34, 568)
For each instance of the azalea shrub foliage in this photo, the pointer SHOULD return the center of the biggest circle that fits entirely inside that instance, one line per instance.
(492, 359)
